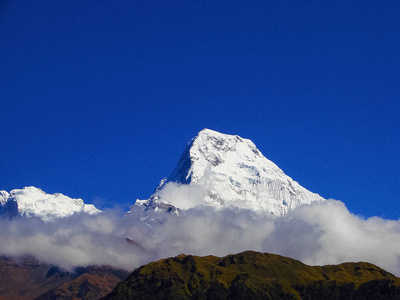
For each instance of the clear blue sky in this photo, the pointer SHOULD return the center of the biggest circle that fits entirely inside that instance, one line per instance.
(99, 98)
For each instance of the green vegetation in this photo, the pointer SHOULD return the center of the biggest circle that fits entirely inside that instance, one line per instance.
(253, 275)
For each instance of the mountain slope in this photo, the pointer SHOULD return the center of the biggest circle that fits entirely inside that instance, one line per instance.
(94, 283)
(254, 275)
(231, 171)
(33, 202)
(27, 278)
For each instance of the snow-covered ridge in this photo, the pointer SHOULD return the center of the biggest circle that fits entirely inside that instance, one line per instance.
(33, 202)
(231, 171)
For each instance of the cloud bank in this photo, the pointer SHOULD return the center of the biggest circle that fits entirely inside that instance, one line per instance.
(316, 234)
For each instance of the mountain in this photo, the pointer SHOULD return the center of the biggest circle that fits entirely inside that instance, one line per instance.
(33, 202)
(91, 283)
(27, 278)
(228, 171)
(254, 275)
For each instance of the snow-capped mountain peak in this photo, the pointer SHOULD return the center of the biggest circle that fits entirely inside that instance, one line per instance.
(233, 172)
(33, 202)
(222, 153)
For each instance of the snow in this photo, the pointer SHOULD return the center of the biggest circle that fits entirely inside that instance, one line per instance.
(216, 170)
(232, 172)
(33, 202)
(3, 197)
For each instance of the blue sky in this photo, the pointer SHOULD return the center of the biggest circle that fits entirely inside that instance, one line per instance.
(99, 98)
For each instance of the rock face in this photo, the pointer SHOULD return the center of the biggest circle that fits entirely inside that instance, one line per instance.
(231, 171)
(33, 202)
(26, 278)
(254, 275)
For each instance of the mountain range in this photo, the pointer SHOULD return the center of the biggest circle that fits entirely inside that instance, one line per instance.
(218, 170)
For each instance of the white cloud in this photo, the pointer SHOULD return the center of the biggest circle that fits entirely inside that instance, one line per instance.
(321, 233)
(178, 194)
(331, 234)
